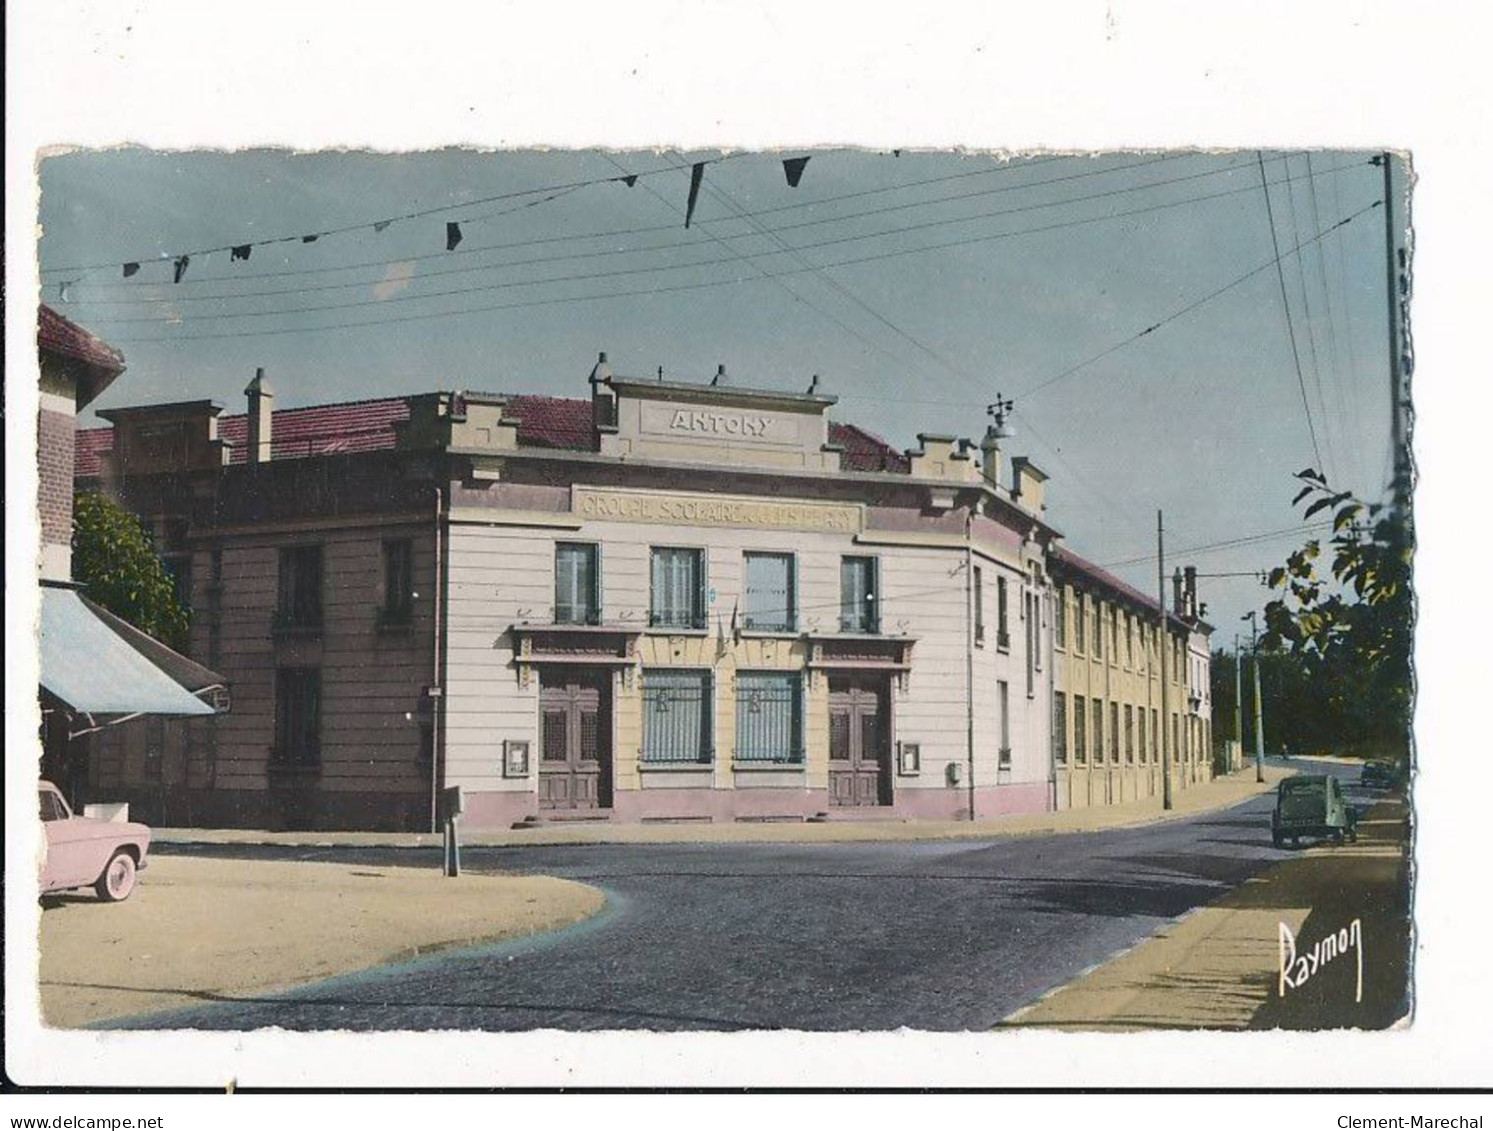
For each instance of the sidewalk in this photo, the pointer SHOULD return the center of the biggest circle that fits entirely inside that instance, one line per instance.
(1219, 966)
(198, 930)
(1217, 794)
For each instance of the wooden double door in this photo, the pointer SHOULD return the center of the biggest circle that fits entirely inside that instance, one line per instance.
(575, 741)
(860, 762)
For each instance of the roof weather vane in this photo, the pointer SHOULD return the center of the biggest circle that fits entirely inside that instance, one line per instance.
(998, 411)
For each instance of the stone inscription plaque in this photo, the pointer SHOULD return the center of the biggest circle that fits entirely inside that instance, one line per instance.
(682, 509)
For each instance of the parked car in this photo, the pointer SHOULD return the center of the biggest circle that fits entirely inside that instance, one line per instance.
(87, 852)
(1379, 775)
(1312, 805)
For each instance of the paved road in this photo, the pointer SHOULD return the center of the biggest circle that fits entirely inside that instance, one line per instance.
(937, 936)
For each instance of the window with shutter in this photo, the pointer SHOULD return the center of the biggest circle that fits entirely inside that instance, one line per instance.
(769, 596)
(577, 584)
(858, 596)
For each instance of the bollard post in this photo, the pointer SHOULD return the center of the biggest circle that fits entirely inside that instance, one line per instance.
(451, 804)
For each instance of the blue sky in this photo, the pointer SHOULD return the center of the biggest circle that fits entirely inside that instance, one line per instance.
(947, 292)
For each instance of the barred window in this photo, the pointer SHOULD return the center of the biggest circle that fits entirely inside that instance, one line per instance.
(676, 716)
(1080, 731)
(1114, 732)
(1129, 733)
(769, 717)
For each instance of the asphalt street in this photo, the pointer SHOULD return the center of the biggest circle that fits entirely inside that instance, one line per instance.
(948, 935)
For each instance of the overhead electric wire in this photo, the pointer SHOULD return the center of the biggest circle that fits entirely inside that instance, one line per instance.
(1228, 543)
(1191, 306)
(762, 273)
(1290, 325)
(1311, 335)
(611, 234)
(303, 235)
(672, 267)
(171, 297)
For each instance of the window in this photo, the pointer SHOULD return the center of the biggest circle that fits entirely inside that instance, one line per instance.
(578, 583)
(1114, 732)
(1129, 642)
(769, 717)
(1114, 637)
(980, 607)
(1080, 624)
(771, 603)
(1098, 731)
(298, 716)
(1003, 699)
(1029, 621)
(1060, 728)
(52, 808)
(300, 587)
(1129, 733)
(858, 599)
(1080, 731)
(1155, 735)
(1176, 739)
(1002, 627)
(1140, 732)
(1098, 631)
(399, 584)
(678, 588)
(178, 568)
(676, 717)
(1060, 619)
(1034, 637)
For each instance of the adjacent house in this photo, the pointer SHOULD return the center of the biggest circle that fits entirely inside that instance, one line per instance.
(96, 671)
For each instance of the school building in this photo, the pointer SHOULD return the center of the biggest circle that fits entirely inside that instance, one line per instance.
(681, 601)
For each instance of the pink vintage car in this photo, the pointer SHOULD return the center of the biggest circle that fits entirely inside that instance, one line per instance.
(87, 852)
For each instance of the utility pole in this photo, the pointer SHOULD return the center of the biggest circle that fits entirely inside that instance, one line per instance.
(1239, 696)
(1254, 649)
(1163, 645)
(1400, 487)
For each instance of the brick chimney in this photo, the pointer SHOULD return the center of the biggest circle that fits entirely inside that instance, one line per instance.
(261, 418)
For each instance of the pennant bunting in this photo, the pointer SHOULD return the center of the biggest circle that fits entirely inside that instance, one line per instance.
(793, 169)
(64, 292)
(380, 225)
(181, 268)
(130, 269)
(311, 239)
(453, 235)
(629, 180)
(696, 175)
(240, 252)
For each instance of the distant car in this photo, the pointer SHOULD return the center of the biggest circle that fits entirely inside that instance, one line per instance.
(1312, 805)
(86, 852)
(1379, 775)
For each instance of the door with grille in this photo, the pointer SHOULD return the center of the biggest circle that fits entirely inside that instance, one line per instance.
(575, 757)
(859, 753)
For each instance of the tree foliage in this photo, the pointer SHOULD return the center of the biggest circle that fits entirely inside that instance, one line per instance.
(1342, 619)
(115, 559)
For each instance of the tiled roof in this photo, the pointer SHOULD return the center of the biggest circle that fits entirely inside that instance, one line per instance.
(563, 423)
(553, 422)
(866, 451)
(60, 335)
(1061, 558)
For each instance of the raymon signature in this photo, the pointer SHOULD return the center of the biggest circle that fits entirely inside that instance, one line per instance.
(1297, 968)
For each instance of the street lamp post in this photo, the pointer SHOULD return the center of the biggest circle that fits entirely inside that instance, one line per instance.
(1239, 698)
(1254, 650)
